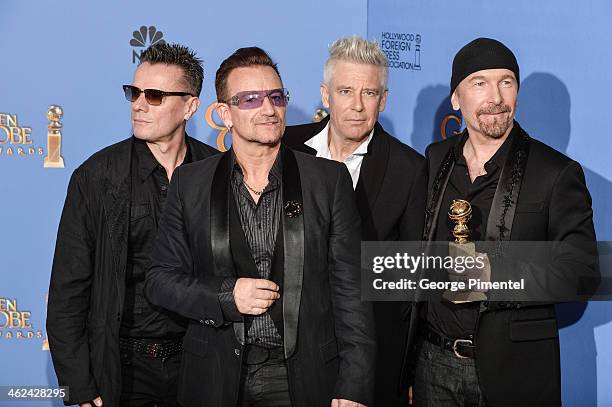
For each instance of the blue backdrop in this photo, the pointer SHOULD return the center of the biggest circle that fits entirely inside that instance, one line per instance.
(78, 54)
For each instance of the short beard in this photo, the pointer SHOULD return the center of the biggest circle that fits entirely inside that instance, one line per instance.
(498, 127)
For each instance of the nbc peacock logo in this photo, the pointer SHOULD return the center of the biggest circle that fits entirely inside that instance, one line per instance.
(144, 38)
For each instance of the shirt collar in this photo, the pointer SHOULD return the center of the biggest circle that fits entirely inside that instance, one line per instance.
(276, 173)
(320, 143)
(146, 160)
(499, 158)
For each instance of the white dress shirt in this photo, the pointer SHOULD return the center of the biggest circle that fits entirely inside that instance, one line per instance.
(353, 162)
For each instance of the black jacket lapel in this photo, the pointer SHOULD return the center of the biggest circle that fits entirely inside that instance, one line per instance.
(373, 169)
(503, 207)
(277, 275)
(437, 192)
(293, 242)
(220, 227)
(219, 217)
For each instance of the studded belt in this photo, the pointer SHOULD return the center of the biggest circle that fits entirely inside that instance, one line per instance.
(162, 349)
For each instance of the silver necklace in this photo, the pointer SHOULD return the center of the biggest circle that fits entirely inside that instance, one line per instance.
(256, 192)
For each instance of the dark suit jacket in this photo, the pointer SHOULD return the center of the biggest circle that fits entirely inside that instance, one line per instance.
(541, 196)
(390, 196)
(390, 190)
(87, 289)
(328, 331)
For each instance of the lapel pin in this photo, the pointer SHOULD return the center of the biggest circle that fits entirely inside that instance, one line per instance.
(293, 209)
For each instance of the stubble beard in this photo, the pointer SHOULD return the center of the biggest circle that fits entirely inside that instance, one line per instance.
(499, 126)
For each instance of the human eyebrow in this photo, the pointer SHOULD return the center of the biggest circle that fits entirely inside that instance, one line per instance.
(477, 78)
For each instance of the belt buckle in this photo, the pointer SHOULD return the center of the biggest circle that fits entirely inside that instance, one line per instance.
(458, 341)
(153, 349)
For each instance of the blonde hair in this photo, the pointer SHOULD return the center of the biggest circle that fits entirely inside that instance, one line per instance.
(358, 50)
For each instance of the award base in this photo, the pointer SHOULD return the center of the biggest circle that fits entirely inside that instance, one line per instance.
(59, 163)
(459, 297)
(462, 249)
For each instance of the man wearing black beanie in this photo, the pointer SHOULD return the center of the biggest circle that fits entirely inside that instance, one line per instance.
(482, 351)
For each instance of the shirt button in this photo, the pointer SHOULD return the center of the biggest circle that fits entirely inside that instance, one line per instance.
(237, 352)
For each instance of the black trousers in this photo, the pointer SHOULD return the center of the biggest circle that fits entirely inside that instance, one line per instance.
(149, 382)
(264, 381)
(444, 380)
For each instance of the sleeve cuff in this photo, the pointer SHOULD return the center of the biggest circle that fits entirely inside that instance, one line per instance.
(226, 300)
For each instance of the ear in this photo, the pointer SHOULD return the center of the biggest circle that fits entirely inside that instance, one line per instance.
(455, 101)
(383, 101)
(192, 107)
(324, 95)
(224, 113)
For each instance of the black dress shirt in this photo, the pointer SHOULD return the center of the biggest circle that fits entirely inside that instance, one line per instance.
(260, 222)
(459, 320)
(149, 189)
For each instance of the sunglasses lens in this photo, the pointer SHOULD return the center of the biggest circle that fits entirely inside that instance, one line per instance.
(250, 100)
(131, 93)
(254, 99)
(154, 97)
(278, 98)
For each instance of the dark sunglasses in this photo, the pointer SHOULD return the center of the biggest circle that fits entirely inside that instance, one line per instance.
(154, 97)
(252, 99)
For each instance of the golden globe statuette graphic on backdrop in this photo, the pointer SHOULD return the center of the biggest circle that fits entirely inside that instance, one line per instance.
(461, 212)
(319, 115)
(54, 138)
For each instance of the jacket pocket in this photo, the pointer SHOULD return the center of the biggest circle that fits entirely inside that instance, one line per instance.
(196, 346)
(533, 330)
(329, 351)
(139, 211)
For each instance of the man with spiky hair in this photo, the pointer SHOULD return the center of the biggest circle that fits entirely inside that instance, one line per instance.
(389, 188)
(109, 345)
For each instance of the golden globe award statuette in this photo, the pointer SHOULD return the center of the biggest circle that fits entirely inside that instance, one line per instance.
(461, 212)
(54, 138)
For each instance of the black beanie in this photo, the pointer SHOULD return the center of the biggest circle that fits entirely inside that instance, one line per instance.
(482, 53)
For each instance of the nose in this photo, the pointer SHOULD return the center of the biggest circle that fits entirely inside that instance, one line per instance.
(358, 102)
(495, 95)
(267, 107)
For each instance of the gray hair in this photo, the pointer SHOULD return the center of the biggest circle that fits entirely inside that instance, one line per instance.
(358, 50)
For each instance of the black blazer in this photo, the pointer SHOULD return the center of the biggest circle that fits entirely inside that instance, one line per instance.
(390, 196)
(328, 331)
(87, 289)
(541, 196)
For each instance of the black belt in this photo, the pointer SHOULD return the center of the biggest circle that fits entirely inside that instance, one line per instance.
(150, 348)
(462, 348)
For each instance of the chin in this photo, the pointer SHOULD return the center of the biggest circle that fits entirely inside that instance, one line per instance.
(359, 134)
(268, 138)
